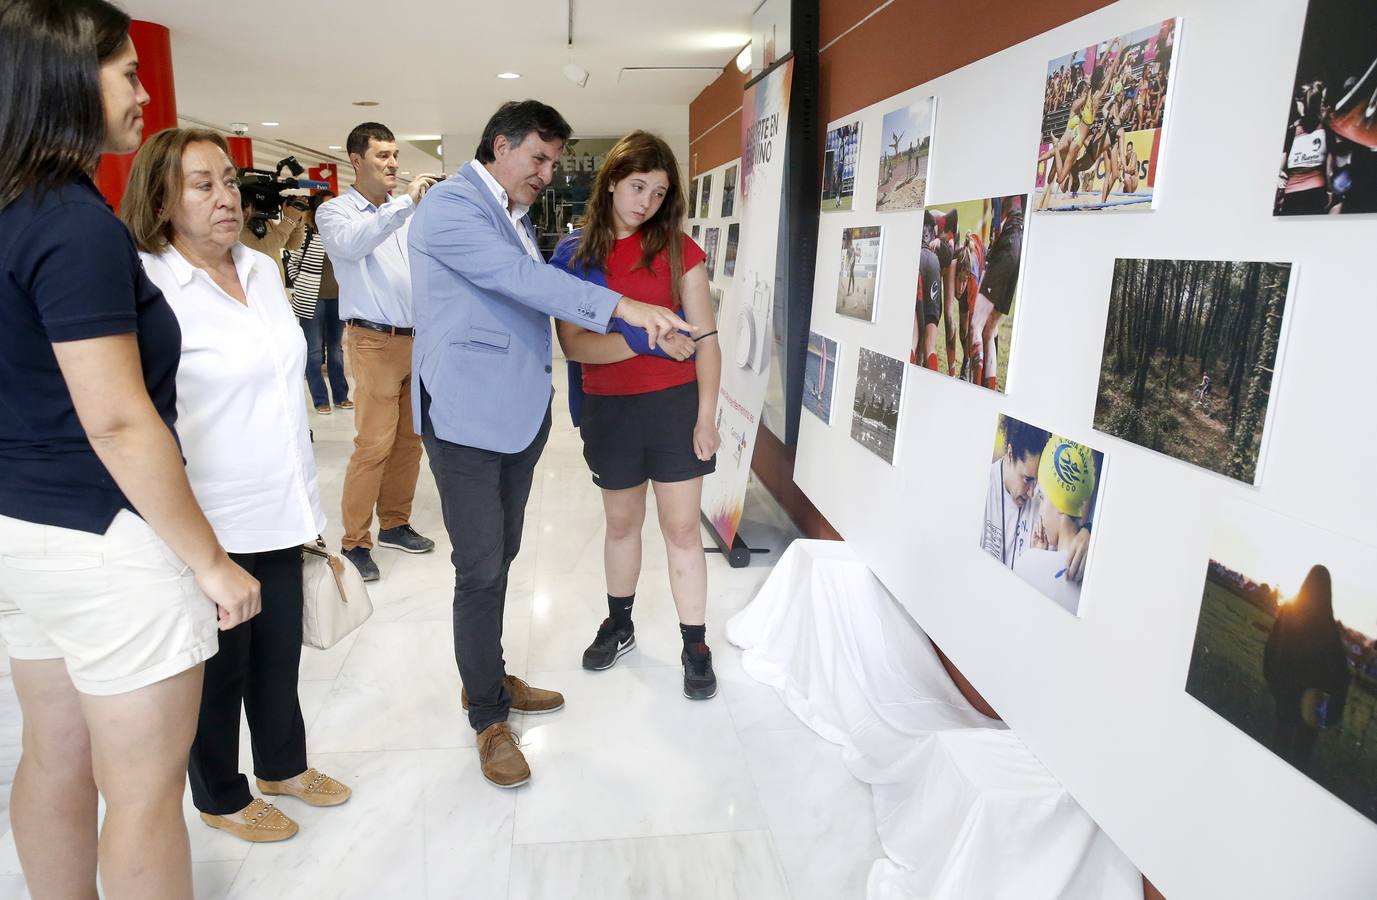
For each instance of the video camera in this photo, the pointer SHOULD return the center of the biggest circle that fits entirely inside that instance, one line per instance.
(264, 189)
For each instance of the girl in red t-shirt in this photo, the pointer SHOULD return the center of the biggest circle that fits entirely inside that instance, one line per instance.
(647, 417)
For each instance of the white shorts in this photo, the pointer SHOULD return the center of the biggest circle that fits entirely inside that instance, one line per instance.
(120, 608)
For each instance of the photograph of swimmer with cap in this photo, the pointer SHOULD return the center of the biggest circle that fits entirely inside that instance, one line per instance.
(1042, 499)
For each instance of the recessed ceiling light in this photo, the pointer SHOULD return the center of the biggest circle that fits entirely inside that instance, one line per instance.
(440, 149)
(336, 147)
(406, 173)
(508, 75)
(365, 103)
(268, 124)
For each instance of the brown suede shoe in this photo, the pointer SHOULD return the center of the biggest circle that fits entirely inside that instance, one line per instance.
(501, 759)
(258, 823)
(316, 789)
(525, 699)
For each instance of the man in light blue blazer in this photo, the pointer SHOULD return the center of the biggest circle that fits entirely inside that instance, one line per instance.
(481, 388)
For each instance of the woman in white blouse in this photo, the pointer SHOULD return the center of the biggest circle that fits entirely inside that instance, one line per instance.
(241, 418)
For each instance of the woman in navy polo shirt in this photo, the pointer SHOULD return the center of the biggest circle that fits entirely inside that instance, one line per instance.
(110, 575)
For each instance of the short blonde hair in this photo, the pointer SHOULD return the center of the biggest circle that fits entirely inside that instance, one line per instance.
(155, 184)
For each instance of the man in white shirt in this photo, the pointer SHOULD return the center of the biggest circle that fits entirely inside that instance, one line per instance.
(364, 231)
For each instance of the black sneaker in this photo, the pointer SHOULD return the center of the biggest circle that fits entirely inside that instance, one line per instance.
(608, 645)
(363, 561)
(404, 537)
(699, 681)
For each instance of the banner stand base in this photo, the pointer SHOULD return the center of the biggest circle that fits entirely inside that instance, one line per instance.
(738, 554)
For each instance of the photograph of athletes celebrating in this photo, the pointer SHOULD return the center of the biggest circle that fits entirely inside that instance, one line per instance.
(968, 271)
(1329, 153)
(1102, 119)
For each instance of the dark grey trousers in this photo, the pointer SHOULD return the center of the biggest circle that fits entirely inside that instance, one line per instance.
(483, 499)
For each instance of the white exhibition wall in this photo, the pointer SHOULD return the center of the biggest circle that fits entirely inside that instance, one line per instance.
(1201, 808)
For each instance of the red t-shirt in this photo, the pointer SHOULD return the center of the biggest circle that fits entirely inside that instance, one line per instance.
(642, 374)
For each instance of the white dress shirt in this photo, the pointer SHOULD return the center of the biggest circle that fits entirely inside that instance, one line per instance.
(241, 409)
(367, 247)
(514, 212)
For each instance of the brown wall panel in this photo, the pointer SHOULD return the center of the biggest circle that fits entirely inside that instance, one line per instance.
(713, 141)
(912, 41)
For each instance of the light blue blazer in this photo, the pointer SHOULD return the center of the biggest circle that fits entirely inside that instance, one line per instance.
(483, 308)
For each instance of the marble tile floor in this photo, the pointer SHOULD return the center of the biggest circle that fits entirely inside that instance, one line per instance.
(636, 794)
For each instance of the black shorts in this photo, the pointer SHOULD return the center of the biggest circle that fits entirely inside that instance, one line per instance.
(1001, 270)
(632, 437)
(929, 287)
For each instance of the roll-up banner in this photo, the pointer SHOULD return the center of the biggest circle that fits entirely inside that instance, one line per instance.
(745, 325)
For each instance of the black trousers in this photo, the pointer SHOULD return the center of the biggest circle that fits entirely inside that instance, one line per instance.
(483, 499)
(257, 666)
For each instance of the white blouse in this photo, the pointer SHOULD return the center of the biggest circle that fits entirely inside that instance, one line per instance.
(241, 407)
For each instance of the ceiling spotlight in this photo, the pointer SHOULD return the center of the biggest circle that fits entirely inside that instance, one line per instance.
(269, 124)
(508, 75)
(336, 147)
(439, 149)
(743, 60)
(577, 74)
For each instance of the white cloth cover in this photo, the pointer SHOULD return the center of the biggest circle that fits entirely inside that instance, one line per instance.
(963, 809)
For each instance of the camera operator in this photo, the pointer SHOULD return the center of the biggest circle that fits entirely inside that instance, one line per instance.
(266, 236)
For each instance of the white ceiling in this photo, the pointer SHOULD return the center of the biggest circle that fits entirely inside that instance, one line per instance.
(432, 66)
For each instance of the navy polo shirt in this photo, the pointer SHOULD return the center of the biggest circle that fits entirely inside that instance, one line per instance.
(69, 271)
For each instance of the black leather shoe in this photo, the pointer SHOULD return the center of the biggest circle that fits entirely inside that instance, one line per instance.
(699, 681)
(363, 561)
(404, 537)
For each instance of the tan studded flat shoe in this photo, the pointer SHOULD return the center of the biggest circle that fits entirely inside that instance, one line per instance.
(316, 788)
(258, 823)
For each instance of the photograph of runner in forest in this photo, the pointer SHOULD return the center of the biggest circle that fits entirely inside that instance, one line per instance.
(1286, 648)
(1329, 153)
(906, 145)
(1103, 112)
(875, 408)
(1190, 351)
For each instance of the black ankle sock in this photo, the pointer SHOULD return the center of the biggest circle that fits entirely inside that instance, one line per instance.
(693, 634)
(619, 610)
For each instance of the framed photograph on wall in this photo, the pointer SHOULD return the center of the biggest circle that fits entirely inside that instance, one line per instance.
(693, 198)
(905, 147)
(1286, 647)
(694, 233)
(840, 154)
(859, 279)
(733, 240)
(1104, 108)
(729, 192)
(1190, 351)
(710, 247)
(1330, 144)
(876, 404)
(1040, 509)
(820, 376)
(978, 246)
(704, 205)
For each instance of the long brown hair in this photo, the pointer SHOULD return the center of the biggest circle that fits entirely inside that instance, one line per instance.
(155, 184)
(639, 151)
(52, 113)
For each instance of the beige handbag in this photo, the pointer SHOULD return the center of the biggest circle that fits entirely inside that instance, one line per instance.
(335, 597)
